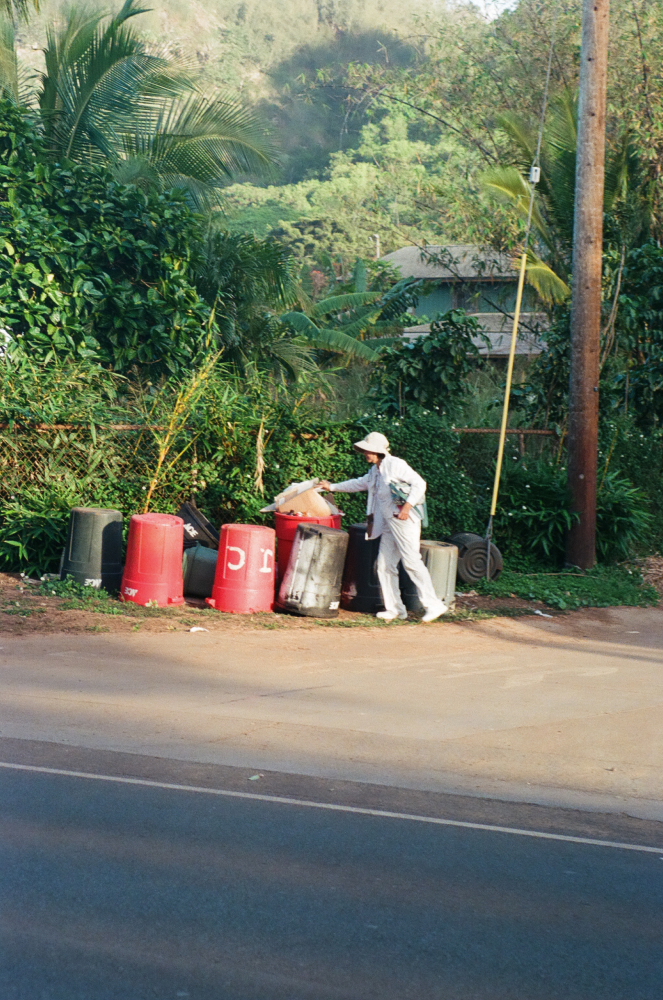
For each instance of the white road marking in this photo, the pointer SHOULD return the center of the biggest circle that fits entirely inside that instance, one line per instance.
(332, 807)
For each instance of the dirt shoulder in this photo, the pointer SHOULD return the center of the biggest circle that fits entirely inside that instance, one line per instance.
(26, 610)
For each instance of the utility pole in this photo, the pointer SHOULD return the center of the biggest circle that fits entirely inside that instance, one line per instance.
(587, 274)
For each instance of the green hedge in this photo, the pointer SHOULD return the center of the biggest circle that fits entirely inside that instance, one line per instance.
(104, 468)
(221, 475)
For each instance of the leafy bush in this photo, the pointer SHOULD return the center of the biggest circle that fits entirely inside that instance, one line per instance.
(429, 373)
(534, 515)
(33, 529)
(233, 445)
(534, 509)
(623, 518)
(91, 268)
(638, 457)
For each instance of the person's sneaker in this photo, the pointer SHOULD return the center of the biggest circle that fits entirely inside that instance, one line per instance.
(389, 616)
(435, 612)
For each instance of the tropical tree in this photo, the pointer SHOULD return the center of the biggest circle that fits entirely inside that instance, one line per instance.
(91, 269)
(105, 96)
(18, 8)
(247, 282)
(549, 265)
(430, 373)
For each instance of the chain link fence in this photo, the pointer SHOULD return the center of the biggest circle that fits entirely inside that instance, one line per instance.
(86, 459)
(127, 455)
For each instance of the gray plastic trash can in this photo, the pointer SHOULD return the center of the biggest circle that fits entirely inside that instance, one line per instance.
(311, 584)
(441, 561)
(93, 553)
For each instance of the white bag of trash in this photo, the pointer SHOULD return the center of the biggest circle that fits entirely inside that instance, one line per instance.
(302, 498)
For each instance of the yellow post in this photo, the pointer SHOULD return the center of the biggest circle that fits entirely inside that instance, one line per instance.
(507, 389)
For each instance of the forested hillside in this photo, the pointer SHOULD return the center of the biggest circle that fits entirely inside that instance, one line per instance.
(278, 55)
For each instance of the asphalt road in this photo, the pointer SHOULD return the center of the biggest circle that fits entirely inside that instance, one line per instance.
(117, 891)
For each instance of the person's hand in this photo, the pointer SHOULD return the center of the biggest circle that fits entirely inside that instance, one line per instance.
(404, 512)
(324, 484)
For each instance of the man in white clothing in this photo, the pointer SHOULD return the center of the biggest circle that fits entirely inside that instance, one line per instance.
(396, 523)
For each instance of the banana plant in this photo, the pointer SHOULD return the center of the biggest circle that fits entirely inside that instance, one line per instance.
(358, 322)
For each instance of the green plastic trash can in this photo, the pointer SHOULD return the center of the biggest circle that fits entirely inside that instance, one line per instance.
(199, 565)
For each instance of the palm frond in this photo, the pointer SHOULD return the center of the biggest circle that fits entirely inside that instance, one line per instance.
(17, 81)
(509, 185)
(237, 267)
(378, 343)
(9, 85)
(198, 142)
(551, 288)
(521, 135)
(94, 71)
(139, 171)
(329, 340)
(294, 356)
(18, 9)
(366, 320)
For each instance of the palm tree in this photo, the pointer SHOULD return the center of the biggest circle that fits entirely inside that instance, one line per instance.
(247, 282)
(15, 9)
(105, 96)
(549, 265)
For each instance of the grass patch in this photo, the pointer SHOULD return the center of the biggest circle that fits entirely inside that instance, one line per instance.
(478, 614)
(22, 610)
(600, 587)
(461, 615)
(76, 597)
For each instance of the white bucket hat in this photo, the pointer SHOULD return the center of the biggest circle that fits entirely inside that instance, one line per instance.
(374, 442)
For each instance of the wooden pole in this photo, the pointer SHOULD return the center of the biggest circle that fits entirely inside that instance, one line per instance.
(587, 272)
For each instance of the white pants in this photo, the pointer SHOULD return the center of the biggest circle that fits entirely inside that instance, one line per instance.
(400, 541)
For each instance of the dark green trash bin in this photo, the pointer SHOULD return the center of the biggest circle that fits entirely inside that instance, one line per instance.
(93, 553)
(199, 567)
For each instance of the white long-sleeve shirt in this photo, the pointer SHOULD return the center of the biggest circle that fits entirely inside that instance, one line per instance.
(376, 482)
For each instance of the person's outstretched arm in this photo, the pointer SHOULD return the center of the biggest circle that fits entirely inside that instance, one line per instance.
(359, 485)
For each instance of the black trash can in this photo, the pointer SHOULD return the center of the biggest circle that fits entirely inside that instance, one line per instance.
(93, 553)
(199, 567)
(409, 593)
(361, 588)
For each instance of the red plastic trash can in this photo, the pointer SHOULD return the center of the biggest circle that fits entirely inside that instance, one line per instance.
(286, 529)
(245, 570)
(153, 568)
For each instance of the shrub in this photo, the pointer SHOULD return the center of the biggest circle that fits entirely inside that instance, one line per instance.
(601, 587)
(535, 516)
(623, 518)
(430, 373)
(638, 457)
(89, 267)
(33, 528)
